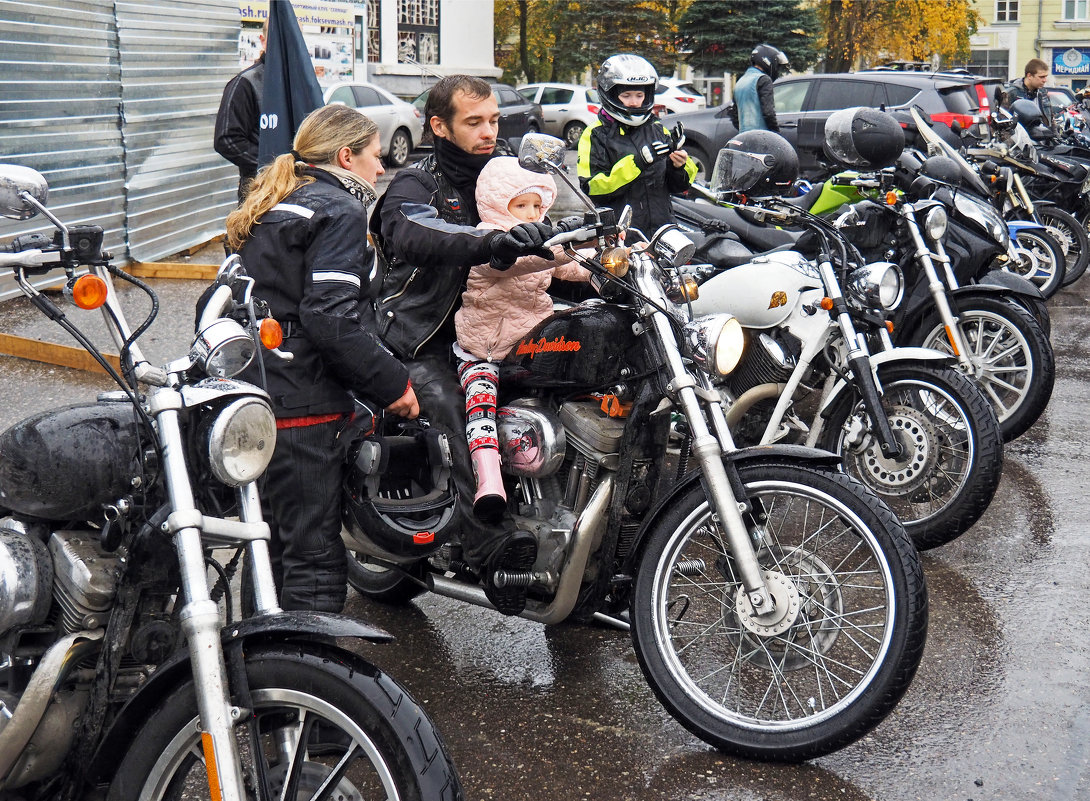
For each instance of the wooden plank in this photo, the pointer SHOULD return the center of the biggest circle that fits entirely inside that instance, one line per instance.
(52, 353)
(173, 269)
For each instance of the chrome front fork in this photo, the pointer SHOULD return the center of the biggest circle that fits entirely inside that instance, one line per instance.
(937, 289)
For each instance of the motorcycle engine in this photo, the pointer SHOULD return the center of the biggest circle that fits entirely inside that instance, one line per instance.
(26, 577)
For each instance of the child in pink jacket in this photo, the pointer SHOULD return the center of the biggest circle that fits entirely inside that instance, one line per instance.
(498, 309)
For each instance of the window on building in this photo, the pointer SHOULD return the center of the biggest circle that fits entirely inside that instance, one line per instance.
(418, 31)
(1075, 9)
(993, 63)
(374, 33)
(1006, 10)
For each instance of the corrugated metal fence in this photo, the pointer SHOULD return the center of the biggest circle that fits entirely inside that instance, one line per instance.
(114, 103)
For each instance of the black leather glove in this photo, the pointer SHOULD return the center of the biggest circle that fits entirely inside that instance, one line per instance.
(525, 239)
(656, 150)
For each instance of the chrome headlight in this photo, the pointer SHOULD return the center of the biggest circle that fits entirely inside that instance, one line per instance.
(984, 216)
(877, 285)
(672, 245)
(715, 343)
(241, 440)
(934, 223)
(223, 349)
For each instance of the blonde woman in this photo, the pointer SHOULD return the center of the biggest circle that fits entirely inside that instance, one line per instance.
(302, 236)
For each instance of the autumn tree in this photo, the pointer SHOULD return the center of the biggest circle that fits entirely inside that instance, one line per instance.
(864, 32)
(719, 35)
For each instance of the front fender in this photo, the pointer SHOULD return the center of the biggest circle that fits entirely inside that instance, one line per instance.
(299, 627)
(898, 355)
(776, 454)
(1010, 283)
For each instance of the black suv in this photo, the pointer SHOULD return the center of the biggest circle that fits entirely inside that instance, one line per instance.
(804, 102)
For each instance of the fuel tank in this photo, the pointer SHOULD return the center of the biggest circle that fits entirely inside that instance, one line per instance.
(63, 464)
(579, 349)
(761, 293)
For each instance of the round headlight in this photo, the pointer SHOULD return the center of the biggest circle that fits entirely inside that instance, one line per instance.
(877, 285)
(223, 349)
(934, 223)
(715, 343)
(241, 441)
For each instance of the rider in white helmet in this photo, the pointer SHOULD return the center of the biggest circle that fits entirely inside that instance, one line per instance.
(628, 157)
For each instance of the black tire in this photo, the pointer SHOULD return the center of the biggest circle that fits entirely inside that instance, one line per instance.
(1014, 364)
(573, 132)
(401, 145)
(532, 127)
(954, 457)
(765, 689)
(380, 582)
(703, 165)
(352, 703)
(1042, 263)
(1073, 239)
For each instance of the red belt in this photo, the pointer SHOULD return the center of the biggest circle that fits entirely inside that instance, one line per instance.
(310, 420)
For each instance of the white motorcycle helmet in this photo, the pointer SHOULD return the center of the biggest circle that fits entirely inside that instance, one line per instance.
(625, 73)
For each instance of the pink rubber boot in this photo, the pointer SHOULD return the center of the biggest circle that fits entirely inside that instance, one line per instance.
(490, 501)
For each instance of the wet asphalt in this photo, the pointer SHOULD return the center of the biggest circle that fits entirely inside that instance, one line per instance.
(999, 710)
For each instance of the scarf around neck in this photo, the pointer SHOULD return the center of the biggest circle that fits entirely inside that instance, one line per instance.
(460, 167)
(359, 188)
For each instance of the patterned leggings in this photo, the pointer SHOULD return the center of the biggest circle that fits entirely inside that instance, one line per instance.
(480, 380)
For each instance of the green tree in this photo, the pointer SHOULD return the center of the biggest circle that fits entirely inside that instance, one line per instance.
(718, 35)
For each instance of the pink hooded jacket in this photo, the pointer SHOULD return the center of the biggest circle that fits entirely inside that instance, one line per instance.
(500, 307)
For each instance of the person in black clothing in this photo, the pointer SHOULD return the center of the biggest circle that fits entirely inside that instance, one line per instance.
(425, 226)
(1032, 87)
(238, 121)
(627, 157)
(302, 235)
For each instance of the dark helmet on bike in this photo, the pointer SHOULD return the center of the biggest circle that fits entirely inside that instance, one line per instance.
(627, 73)
(756, 162)
(1031, 117)
(863, 137)
(770, 60)
(398, 489)
(942, 169)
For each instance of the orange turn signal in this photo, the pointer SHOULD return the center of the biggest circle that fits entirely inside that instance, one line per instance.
(827, 304)
(889, 326)
(89, 292)
(891, 198)
(272, 335)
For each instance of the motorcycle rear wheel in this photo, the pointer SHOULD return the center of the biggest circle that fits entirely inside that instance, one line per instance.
(954, 458)
(1015, 365)
(380, 582)
(848, 642)
(353, 714)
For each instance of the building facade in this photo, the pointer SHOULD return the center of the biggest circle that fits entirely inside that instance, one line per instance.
(1014, 31)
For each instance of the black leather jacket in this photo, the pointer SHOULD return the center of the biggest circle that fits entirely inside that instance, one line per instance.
(238, 119)
(425, 230)
(311, 262)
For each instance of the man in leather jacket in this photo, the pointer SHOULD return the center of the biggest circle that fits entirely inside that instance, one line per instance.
(238, 121)
(1032, 87)
(425, 229)
(754, 106)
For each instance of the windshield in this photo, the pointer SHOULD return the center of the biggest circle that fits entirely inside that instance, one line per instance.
(937, 147)
(736, 171)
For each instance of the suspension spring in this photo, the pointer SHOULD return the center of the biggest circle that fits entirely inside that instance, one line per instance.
(690, 567)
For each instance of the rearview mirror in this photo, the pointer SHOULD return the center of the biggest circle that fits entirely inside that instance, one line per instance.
(541, 153)
(16, 183)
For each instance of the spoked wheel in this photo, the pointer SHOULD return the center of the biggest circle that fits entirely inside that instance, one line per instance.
(952, 454)
(573, 133)
(1072, 237)
(382, 582)
(834, 657)
(320, 723)
(1041, 260)
(1013, 362)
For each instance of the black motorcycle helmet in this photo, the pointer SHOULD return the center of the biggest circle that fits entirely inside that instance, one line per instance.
(398, 489)
(771, 60)
(942, 169)
(623, 73)
(757, 162)
(1030, 117)
(863, 137)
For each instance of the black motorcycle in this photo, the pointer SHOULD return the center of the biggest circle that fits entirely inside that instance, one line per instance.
(125, 673)
(745, 575)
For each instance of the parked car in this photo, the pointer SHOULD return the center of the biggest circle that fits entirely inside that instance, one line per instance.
(518, 116)
(400, 125)
(674, 96)
(804, 102)
(568, 108)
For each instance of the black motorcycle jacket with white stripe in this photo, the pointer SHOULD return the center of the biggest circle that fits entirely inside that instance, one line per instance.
(312, 264)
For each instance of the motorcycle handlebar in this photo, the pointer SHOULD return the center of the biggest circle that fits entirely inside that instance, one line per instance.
(29, 258)
(584, 234)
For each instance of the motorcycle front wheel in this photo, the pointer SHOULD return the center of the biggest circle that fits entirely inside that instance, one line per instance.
(320, 722)
(952, 456)
(1072, 237)
(1041, 261)
(834, 658)
(1013, 362)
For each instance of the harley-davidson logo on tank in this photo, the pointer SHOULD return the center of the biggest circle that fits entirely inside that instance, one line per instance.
(557, 345)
